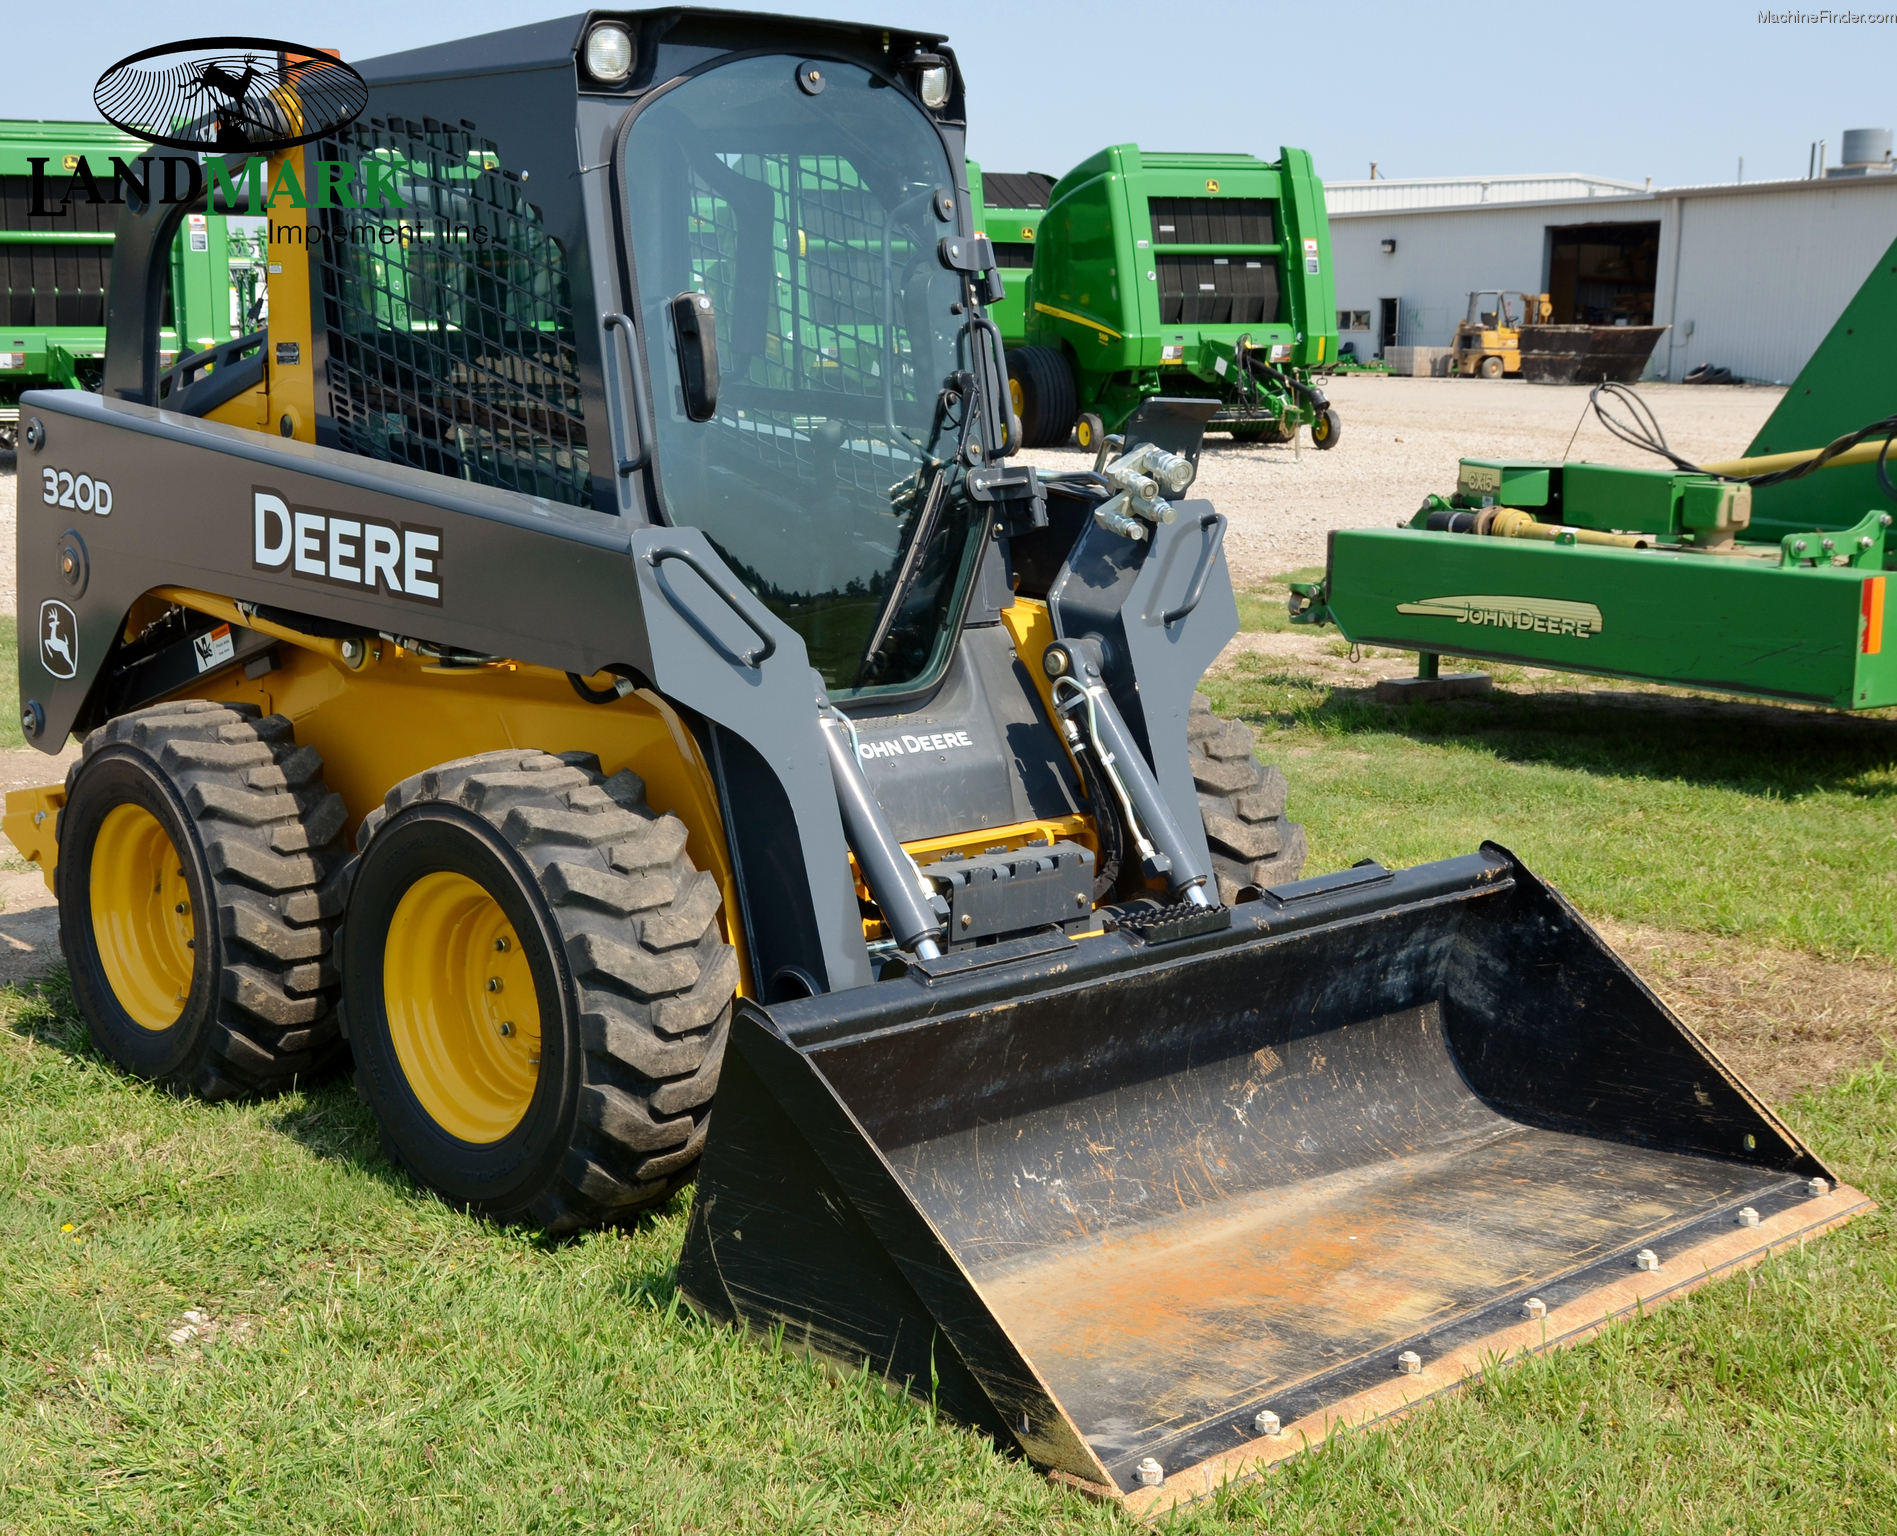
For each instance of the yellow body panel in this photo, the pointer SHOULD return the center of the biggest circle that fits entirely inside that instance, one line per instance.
(31, 816)
(250, 409)
(292, 386)
(397, 714)
(1031, 628)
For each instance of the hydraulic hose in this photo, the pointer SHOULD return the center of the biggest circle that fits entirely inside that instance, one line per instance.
(1641, 429)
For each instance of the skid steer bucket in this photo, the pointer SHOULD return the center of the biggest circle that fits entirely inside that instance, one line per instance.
(1119, 1203)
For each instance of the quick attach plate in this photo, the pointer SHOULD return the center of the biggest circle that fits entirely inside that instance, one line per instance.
(1015, 890)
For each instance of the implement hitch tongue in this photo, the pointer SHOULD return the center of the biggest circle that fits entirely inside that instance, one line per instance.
(1164, 1213)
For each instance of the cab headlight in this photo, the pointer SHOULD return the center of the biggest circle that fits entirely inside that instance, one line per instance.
(609, 53)
(933, 83)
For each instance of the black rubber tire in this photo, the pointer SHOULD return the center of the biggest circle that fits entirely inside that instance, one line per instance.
(1089, 431)
(1490, 368)
(1242, 802)
(256, 830)
(634, 980)
(1049, 401)
(1326, 430)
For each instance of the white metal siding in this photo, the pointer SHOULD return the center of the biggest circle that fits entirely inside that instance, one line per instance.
(1764, 275)
(1761, 271)
(1441, 256)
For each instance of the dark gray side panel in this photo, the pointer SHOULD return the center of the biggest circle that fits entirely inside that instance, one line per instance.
(553, 586)
(979, 753)
(1117, 592)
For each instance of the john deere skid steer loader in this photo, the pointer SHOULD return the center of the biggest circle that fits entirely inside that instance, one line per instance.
(593, 651)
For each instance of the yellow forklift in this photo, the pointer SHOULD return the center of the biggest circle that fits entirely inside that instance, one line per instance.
(1488, 342)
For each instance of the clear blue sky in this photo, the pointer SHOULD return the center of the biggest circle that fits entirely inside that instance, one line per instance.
(1673, 91)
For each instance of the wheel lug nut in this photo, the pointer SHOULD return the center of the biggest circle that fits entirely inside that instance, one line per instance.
(506, 1028)
(501, 944)
(179, 907)
(493, 983)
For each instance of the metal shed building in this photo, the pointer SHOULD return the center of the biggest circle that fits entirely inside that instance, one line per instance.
(1749, 275)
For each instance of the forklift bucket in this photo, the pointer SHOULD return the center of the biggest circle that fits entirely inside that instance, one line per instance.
(1120, 1203)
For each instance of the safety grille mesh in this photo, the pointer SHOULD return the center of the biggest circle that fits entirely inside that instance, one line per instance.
(451, 340)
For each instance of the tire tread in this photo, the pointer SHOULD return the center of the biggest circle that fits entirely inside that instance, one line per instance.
(653, 979)
(232, 769)
(1242, 801)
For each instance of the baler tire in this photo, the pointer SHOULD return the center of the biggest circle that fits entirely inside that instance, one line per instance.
(631, 989)
(1242, 802)
(1089, 432)
(1326, 430)
(1050, 402)
(205, 808)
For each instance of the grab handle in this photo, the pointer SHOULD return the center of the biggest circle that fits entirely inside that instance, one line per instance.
(633, 429)
(767, 646)
(1216, 522)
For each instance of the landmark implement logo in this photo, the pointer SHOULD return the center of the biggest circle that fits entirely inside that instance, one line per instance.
(1538, 615)
(230, 95)
(228, 102)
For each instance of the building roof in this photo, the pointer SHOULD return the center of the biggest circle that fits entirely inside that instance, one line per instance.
(1382, 196)
(1362, 199)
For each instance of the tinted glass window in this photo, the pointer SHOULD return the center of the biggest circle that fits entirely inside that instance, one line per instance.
(809, 220)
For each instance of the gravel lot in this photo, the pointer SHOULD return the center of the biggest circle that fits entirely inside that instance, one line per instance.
(1401, 440)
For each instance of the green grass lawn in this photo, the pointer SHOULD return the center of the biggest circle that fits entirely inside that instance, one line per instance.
(375, 1362)
(372, 1361)
(1777, 824)
(10, 733)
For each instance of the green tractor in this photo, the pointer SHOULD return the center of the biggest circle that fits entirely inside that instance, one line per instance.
(54, 266)
(1140, 274)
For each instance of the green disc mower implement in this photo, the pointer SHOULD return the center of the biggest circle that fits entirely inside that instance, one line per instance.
(1734, 577)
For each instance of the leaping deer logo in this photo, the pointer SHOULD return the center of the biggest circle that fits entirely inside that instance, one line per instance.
(59, 631)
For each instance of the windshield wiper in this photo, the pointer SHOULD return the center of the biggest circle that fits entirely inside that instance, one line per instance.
(934, 499)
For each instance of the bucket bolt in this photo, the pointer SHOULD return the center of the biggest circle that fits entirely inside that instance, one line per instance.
(1647, 1259)
(1149, 1473)
(1534, 1307)
(1267, 1424)
(1410, 1363)
(1748, 1217)
(1818, 1187)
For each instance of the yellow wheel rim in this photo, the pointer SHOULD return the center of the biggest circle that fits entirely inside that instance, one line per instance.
(141, 916)
(1016, 401)
(1320, 429)
(463, 1012)
(1083, 433)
